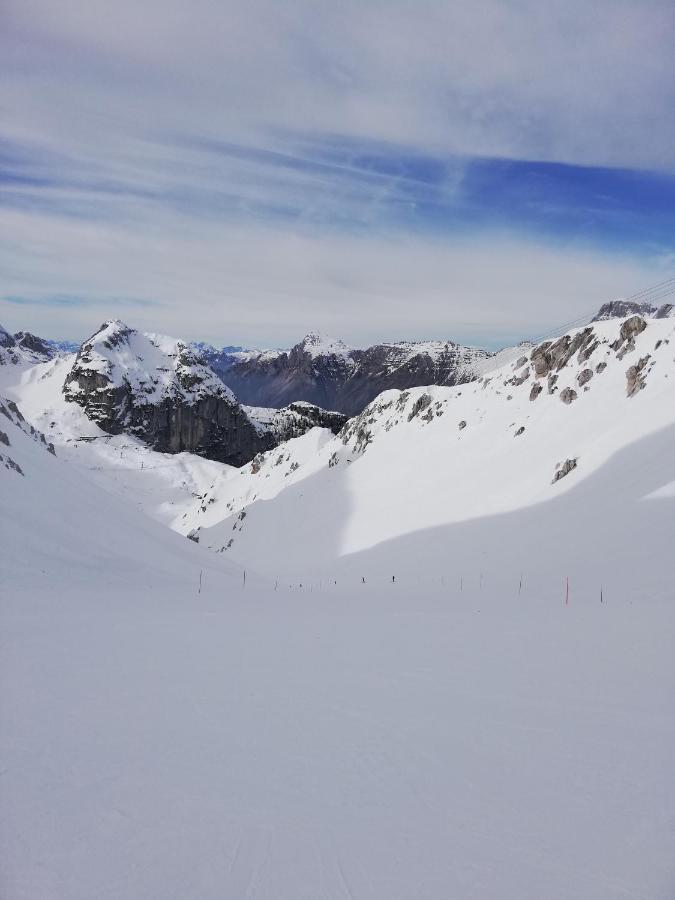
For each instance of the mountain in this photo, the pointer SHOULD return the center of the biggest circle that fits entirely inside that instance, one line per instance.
(333, 376)
(161, 390)
(24, 348)
(550, 447)
(619, 309)
(455, 679)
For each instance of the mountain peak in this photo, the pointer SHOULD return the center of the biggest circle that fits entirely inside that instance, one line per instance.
(317, 344)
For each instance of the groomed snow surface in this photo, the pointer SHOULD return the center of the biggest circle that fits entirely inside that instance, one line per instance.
(173, 728)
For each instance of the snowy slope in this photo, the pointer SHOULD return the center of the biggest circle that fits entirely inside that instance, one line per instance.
(153, 367)
(429, 738)
(409, 466)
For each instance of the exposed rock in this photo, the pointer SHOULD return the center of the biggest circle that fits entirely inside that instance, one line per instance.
(541, 359)
(520, 362)
(293, 420)
(462, 425)
(564, 469)
(520, 379)
(536, 390)
(553, 356)
(419, 405)
(632, 327)
(635, 376)
(36, 345)
(601, 366)
(552, 381)
(23, 347)
(666, 311)
(193, 535)
(520, 431)
(618, 309)
(568, 395)
(9, 463)
(333, 376)
(628, 347)
(584, 377)
(4, 439)
(160, 390)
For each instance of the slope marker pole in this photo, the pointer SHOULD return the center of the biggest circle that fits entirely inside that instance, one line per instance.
(200, 581)
(567, 590)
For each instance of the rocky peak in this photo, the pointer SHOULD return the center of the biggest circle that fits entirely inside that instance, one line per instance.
(620, 309)
(23, 348)
(160, 390)
(316, 344)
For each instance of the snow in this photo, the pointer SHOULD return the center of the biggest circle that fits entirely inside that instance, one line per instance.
(470, 730)
(153, 365)
(401, 353)
(419, 475)
(317, 344)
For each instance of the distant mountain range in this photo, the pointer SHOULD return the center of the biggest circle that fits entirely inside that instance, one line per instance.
(332, 375)
(231, 404)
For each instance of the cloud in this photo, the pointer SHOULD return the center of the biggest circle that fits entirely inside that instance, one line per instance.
(260, 286)
(566, 80)
(378, 169)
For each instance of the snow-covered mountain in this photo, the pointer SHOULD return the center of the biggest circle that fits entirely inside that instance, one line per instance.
(162, 391)
(24, 349)
(328, 373)
(540, 432)
(455, 679)
(619, 309)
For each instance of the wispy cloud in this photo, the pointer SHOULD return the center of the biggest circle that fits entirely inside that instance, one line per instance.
(235, 156)
(68, 301)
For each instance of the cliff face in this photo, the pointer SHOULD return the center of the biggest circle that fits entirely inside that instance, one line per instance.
(333, 376)
(161, 391)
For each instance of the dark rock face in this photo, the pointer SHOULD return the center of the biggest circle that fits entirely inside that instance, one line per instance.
(584, 377)
(568, 396)
(338, 378)
(636, 376)
(568, 466)
(161, 391)
(536, 390)
(23, 347)
(619, 309)
(552, 356)
(6, 339)
(37, 345)
(294, 420)
(632, 326)
(174, 403)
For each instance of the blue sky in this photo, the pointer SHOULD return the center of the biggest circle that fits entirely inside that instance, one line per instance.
(246, 173)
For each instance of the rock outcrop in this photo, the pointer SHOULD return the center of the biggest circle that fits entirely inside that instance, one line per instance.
(619, 309)
(293, 420)
(24, 348)
(161, 391)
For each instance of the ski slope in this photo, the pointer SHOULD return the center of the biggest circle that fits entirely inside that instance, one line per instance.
(173, 728)
(409, 490)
